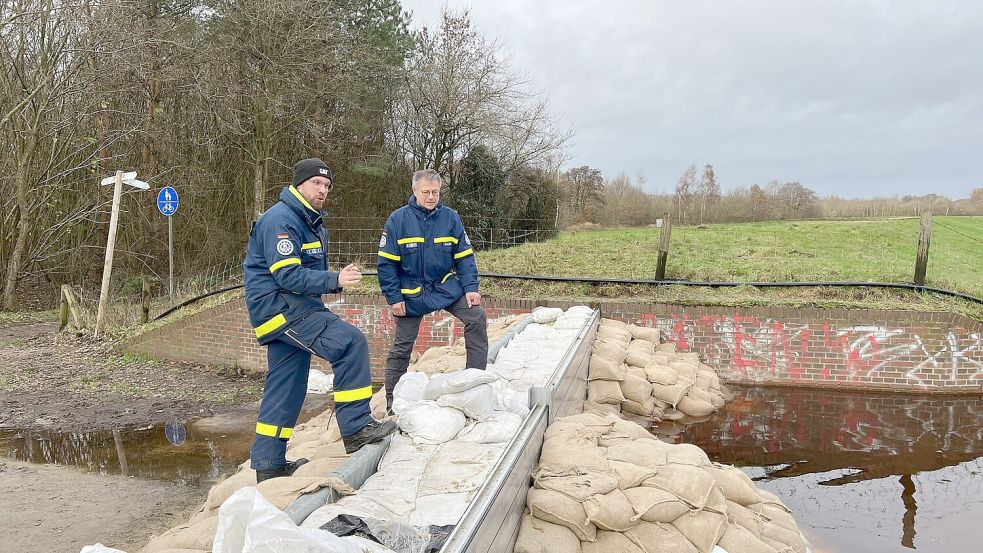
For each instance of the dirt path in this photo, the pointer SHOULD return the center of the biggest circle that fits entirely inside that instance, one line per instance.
(52, 509)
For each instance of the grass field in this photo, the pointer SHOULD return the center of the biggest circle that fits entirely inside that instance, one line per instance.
(877, 250)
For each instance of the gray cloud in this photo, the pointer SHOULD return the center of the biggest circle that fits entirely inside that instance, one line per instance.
(849, 97)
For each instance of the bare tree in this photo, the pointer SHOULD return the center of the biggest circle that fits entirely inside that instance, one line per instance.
(684, 193)
(708, 191)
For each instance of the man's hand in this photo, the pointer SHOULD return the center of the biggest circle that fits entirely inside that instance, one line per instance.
(474, 298)
(399, 309)
(349, 276)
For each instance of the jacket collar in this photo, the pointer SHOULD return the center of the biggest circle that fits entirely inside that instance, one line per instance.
(422, 210)
(295, 201)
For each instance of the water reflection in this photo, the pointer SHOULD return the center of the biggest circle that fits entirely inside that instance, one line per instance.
(864, 472)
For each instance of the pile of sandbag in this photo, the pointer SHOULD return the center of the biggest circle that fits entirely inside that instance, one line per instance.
(453, 357)
(605, 484)
(631, 371)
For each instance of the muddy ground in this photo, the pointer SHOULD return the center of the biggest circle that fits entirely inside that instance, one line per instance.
(67, 382)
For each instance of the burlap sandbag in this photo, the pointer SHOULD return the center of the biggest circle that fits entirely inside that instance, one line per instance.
(670, 414)
(611, 334)
(579, 486)
(769, 498)
(568, 455)
(611, 542)
(695, 407)
(689, 356)
(571, 430)
(194, 535)
(620, 342)
(636, 389)
(591, 406)
(662, 357)
(605, 322)
(643, 452)
(706, 380)
(602, 368)
(605, 391)
(717, 401)
(609, 351)
(774, 532)
(654, 537)
(646, 333)
(644, 409)
(623, 432)
(655, 505)
(635, 371)
(559, 509)
(670, 394)
(739, 514)
(638, 358)
(539, 536)
(630, 475)
(320, 467)
(738, 539)
(434, 353)
(702, 528)
(685, 370)
(610, 511)
(642, 346)
(283, 491)
(779, 516)
(689, 483)
(688, 454)
(659, 373)
(736, 485)
(223, 490)
(599, 424)
(668, 347)
(696, 392)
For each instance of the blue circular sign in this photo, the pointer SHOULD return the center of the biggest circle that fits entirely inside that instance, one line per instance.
(175, 432)
(167, 201)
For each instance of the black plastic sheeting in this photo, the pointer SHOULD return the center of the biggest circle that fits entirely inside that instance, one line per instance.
(397, 536)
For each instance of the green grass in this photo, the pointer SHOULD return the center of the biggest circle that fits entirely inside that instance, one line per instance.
(23, 317)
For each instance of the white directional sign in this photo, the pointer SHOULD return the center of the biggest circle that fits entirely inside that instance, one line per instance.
(137, 183)
(126, 176)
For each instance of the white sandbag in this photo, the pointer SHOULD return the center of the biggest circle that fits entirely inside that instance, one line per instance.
(458, 381)
(99, 548)
(411, 387)
(319, 383)
(429, 423)
(477, 403)
(543, 315)
(458, 466)
(507, 399)
(440, 509)
(500, 427)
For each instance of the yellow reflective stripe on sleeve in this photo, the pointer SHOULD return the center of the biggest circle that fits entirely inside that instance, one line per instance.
(264, 429)
(410, 291)
(465, 253)
(447, 276)
(270, 325)
(344, 396)
(442, 239)
(410, 239)
(283, 263)
(302, 199)
(311, 245)
(389, 256)
(286, 433)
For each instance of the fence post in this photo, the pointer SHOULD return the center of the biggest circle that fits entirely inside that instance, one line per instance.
(921, 256)
(62, 310)
(69, 304)
(145, 314)
(660, 269)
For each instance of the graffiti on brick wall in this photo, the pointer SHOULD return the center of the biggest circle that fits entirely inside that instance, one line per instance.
(760, 348)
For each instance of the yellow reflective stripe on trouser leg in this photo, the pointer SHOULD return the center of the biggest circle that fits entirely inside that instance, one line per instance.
(344, 396)
(270, 325)
(465, 253)
(274, 431)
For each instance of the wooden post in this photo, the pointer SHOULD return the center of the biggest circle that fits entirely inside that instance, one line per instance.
(921, 256)
(145, 315)
(62, 310)
(660, 269)
(107, 268)
(69, 305)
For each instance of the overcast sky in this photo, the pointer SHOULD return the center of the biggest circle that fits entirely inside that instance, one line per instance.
(854, 98)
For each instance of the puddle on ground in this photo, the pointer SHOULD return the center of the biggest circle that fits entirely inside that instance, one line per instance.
(196, 453)
(861, 472)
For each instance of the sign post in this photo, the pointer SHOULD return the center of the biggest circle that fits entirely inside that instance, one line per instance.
(107, 268)
(167, 203)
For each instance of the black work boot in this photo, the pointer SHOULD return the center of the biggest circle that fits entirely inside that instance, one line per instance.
(285, 470)
(370, 433)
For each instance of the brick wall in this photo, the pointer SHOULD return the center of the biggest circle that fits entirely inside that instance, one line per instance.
(841, 348)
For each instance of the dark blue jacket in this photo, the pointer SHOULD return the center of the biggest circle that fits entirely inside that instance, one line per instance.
(286, 268)
(425, 258)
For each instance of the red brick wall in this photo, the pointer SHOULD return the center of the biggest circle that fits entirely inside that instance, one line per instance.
(842, 348)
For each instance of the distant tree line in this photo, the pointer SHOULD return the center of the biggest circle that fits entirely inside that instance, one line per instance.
(219, 97)
(587, 197)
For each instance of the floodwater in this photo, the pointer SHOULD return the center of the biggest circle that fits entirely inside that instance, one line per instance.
(861, 472)
(197, 453)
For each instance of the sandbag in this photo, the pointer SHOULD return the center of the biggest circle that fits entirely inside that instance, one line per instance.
(636, 389)
(615, 323)
(670, 394)
(707, 379)
(695, 407)
(646, 333)
(610, 511)
(602, 368)
(696, 392)
(687, 454)
(738, 538)
(659, 373)
(655, 538)
(577, 486)
(477, 403)
(457, 381)
(599, 424)
(196, 535)
(691, 484)
(614, 335)
(736, 485)
(409, 390)
(559, 509)
(668, 347)
(429, 423)
(741, 515)
(565, 455)
(635, 371)
(702, 528)
(434, 353)
(774, 532)
(539, 536)
(500, 427)
(605, 391)
(781, 517)
(630, 475)
(685, 370)
(642, 452)
(655, 505)
(638, 358)
(611, 542)
(609, 351)
(561, 427)
(591, 406)
(642, 346)
(644, 409)
(543, 315)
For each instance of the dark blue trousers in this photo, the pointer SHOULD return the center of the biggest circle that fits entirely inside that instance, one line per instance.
(323, 334)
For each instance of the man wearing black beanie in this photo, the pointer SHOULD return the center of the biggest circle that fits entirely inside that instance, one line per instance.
(286, 272)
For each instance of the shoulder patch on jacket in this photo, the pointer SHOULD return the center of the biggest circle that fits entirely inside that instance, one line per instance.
(284, 247)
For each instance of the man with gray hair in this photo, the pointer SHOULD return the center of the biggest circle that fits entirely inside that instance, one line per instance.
(426, 263)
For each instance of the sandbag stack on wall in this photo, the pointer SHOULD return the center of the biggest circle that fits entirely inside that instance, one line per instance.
(442, 359)
(632, 371)
(605, 484)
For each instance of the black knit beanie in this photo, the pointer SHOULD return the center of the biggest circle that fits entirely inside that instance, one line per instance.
(313, 167)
